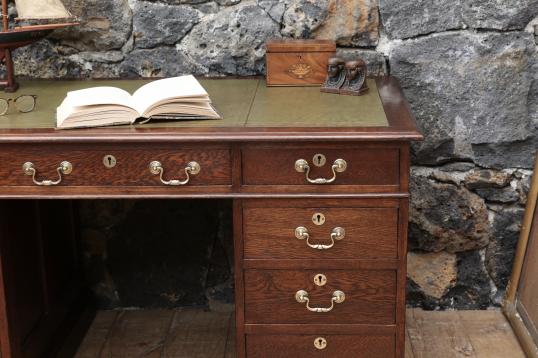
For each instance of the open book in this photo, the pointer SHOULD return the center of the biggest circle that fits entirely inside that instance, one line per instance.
(171, 98)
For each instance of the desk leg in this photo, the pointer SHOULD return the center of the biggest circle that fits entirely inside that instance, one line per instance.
(39, 281)
(238, 273)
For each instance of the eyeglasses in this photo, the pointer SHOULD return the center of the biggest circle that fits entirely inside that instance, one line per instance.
(24, 104)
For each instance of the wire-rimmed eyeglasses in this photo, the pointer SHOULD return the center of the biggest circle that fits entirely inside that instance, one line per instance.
(24, 104)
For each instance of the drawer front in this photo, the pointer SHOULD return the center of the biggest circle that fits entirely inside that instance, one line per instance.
(131, 164)
(270, 296)
(368, 233)
(336, 345)
(375, 168)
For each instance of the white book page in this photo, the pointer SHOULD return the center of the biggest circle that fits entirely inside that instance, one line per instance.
(82, 102)
(184, 108)
(161, 90)
(106, 115)
(98, 96)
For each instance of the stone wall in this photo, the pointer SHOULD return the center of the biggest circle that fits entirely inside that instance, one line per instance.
(470, 71)
(468, 67)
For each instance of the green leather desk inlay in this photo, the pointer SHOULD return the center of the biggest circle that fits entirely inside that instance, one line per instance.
(308, 107)
(242, 102)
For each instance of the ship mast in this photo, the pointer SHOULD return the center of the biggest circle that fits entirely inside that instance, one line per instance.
(8, 84)
(5, 16)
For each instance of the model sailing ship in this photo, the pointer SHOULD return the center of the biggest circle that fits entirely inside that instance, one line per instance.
(40, 18)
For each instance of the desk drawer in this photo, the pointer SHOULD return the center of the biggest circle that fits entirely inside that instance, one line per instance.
(327, 232)
(270, 296)
(335, 346)
(131, 164)
(368, 168)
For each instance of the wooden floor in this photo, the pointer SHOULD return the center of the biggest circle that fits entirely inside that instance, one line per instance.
(193, 333)
(480, 334)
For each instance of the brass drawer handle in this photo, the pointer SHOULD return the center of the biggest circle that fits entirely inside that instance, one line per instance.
(339, 166)
(65, 168)
(338, 233)
(156, 168)
(301, 296)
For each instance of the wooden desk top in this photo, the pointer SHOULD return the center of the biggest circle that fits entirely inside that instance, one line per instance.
(258, 156)
(251, 111)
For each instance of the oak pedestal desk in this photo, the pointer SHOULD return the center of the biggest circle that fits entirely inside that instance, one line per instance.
(319, 184)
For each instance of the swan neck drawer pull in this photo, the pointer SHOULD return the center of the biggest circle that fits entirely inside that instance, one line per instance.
(339, 166)
(338, 296)
(156, 168)
(65, 168)
(338, 233)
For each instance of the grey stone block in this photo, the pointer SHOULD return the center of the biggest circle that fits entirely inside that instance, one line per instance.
(466, 89)
(232, 42)
(157, 24)
(409, 18)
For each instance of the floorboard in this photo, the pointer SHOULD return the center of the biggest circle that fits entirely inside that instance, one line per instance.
(138, 334)
(408, 347)
(196, 333)
(484, 328)
(438, 334)
(230, 342)
(95, 339)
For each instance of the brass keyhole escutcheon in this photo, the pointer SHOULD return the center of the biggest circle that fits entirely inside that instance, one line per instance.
(320, 279)
(318, 219)
(319, 160)
(109, 161)
(320, 343)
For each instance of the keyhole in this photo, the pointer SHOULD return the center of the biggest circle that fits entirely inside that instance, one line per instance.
(320, 343)
(318, 219)
(109, 161)
(320, 279)
(319, 160)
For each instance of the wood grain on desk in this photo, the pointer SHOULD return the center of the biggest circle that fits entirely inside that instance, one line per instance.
(370, 233)
(249, 157)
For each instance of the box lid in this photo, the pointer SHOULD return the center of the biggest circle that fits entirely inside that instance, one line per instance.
(289, 45)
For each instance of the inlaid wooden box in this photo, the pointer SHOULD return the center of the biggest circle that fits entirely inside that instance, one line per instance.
(298, 62)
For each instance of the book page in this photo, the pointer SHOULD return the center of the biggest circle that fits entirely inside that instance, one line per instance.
(78, 103)
(98, 96)
(113, 119)
(168, 88)
(183, 110)
(70, 117)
